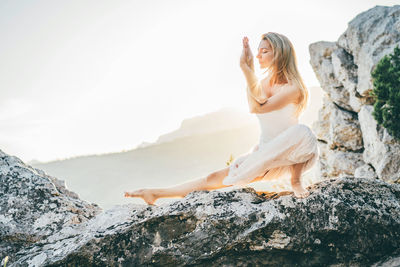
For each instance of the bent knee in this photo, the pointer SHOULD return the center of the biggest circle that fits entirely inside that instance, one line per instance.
(218, 176)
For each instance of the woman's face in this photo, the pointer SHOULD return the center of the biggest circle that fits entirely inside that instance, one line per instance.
(264, 54)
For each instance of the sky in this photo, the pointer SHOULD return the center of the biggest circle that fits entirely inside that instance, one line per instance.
(91, 77)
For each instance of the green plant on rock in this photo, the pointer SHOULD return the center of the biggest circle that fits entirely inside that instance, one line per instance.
(386, 92)
(230, 160)
(5, 261)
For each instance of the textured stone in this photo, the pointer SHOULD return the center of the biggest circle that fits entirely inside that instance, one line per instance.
(345, 120)
(382, 151)
(339, 128)
(365, 171)
(321, 62)
(369, 36)
(206, 228)
(224, 228)
(34, 205)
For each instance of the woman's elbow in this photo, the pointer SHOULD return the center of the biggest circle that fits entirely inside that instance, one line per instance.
(261, 108)
(254, 110)
(262, 101)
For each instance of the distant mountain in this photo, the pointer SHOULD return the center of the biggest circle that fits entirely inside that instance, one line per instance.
(33, 162)
(221, 120)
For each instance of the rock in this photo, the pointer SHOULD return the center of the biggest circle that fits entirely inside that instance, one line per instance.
(390, 261)
(34, 205)
(346, 73)
(369, 36)
(345, 121)
(365, 171)
(339, 128)
(334, 163)
(382, 151)
(321, 62)
(321, 127)
(345, 221)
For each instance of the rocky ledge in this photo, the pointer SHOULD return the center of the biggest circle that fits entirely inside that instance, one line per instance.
(345, 221)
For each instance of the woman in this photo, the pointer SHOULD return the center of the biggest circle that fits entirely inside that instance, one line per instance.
(285, 147)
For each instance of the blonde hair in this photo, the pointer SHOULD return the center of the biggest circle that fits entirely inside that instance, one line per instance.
(284, 66)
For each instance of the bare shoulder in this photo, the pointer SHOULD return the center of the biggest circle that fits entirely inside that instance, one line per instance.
(296, 93)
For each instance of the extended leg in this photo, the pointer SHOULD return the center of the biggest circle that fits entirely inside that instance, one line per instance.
(298, 189)
(210, 182)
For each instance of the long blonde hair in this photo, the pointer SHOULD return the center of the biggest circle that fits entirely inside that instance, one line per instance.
(284, 66)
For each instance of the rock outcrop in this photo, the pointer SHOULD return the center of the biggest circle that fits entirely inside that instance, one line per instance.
(34, 206)
(345, 221)
(350, 141)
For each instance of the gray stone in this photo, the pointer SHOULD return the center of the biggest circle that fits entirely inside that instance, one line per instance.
(321, 62)
(369, 36)
(34, 205)
(339, 128)
(345, 120)
(382, 151)
(337, 163)
(207, 228)
(365, 171)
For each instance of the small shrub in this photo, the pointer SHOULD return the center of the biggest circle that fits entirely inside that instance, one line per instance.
(230, 160)
(386, 93)
(5, 261)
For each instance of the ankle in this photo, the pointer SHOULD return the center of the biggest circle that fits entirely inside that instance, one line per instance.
(296, 184)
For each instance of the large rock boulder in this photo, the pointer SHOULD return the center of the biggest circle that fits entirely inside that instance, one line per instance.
(34, 205)
(347, 132)
(345, 221)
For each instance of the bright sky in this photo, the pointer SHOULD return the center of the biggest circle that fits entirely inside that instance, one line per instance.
(88, 77)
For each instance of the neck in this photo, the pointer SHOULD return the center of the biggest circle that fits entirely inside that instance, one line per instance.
(273, 79)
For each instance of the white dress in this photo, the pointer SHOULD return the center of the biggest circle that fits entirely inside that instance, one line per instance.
(283, 142)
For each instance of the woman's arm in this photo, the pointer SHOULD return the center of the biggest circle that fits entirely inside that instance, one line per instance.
(253, 104)
(247, 66)
(254, 88)
(286, 95)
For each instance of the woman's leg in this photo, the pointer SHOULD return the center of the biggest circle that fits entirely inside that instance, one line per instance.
(297, 170)
(210, 182)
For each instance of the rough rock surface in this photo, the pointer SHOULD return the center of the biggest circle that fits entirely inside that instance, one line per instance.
(345, 221)
(347, 132)
(34, 205)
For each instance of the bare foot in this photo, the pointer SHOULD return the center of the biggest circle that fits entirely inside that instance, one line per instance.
(300, 192)
(146, 194)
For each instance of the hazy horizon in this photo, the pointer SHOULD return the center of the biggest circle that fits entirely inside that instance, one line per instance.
(84, 77)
